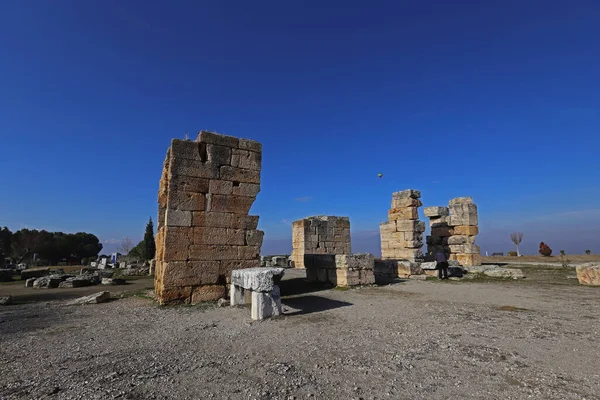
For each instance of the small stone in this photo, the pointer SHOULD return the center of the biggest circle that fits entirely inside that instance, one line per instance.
(91, 299)
(5, 300)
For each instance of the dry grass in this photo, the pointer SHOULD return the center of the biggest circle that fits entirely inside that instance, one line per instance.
(555, 258)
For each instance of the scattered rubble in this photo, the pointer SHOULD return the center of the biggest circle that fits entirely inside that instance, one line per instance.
(5, 300)
(588, 274)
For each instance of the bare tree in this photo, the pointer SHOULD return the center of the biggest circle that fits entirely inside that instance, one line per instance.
(125, 247)
(516, 238)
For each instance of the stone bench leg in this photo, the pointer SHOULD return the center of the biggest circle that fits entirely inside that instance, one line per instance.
(265, 305)
(236, 295)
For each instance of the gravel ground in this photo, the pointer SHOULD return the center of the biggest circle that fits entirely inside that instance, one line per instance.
(421, 340)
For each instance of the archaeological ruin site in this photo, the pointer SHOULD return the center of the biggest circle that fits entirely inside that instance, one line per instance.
(207, 188)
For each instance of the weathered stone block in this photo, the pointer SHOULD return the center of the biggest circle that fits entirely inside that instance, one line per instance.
(218, 139)
(435, 211)
(208, 293)
(347, 277)
(182, 183)
(588, 275)
(229, 204)
(461, 200)
(246, 159)
(193, 168)
(254, 237)
(469, 219)
(470, 248)
(355, 261)
(220, 187)
(241, 175)
(178, 218)
(406, 202)
(405, 194)
(465, 230)
(246, 189)
(186, 201)
(205, 252)
(442, 231)
(468, 260)
(410, 213)
(190, 273)
(406, 269)
(252, 145)
(461, 239)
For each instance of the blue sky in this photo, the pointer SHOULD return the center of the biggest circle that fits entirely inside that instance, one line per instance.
(499, 100)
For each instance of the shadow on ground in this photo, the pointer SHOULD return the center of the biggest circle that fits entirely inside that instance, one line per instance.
(295, 286)
(312, 304)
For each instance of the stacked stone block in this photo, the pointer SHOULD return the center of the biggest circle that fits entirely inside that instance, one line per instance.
(402, 234)
(463, 230)
(439, 222)
(319, 235)
(204, 230)
(354, 269)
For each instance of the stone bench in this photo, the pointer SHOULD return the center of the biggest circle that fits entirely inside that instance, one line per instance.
(261, 285)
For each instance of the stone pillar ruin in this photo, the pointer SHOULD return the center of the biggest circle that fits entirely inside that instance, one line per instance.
(204, 230)
(463, 223)
(402, 234)
(439, 222)
(320, 235)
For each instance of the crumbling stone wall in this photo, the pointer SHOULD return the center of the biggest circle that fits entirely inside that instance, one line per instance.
(319, 235)
(204, 230)
(402, 234)
(453, 230)
(463, 222)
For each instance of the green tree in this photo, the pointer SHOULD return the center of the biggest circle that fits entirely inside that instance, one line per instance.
(149, 243)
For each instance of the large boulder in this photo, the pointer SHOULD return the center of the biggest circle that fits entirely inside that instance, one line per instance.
(588, 274)
(34, 273)
(47, 282)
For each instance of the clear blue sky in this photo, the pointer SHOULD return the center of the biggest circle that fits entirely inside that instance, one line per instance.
(499, 100)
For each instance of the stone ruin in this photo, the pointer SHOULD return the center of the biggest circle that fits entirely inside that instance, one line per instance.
(204, 231)
(402, 234)
(453, 230)
(322, 245)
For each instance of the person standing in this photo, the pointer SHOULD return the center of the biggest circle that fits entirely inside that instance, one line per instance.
(442, 264)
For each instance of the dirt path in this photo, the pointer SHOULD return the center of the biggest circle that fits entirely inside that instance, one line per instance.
(414, 340)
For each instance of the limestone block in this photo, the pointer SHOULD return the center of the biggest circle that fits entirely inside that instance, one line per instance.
(246, 159)
(366, 277)
(439, 221)
(250, 221)
(254, 237)
(442, 231)
(257, 279)
(408, 254)
(218, 155)
(411, 236)
(469, 248)
(588, 274)
(385, 267)
(218, 139)
(241, 175)
(428, 265)
(246, 189)
(186, 201)
(311, 275)
(100, 297)
(248, 252)
(217, 186)
(316, 261)
(347, 277)
(265, 305)
(410, 213)
(461, 239)
(229, 203)
(461, 200)
(207, 252)
(405, 194)
(410, 226)
(182, 183)
(355, 261)
(468, 260)
(193, 168)
(190, 273)
(465, 230)
(435, 211)
(406, 269)
(178, 218)
(251, 145)
(226, 266)
(406, 202)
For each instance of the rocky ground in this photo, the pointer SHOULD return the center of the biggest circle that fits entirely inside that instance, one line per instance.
(482, 339)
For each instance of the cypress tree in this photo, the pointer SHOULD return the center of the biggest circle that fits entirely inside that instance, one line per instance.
(149, 244)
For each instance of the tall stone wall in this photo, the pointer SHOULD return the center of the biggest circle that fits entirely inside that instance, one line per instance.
(464, 229)
(320, 235)
(402, 234)
(204, 230)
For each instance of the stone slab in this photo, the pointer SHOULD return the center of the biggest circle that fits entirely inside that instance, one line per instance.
(257, 279)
